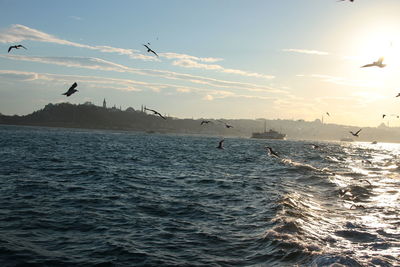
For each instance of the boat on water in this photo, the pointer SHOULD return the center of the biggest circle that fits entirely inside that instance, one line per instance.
(271, 134)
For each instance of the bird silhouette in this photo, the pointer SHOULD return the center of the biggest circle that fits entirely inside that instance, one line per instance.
(155, 112)
(271, 152)
(328, 114)
(221, 144)
(150, 50)
(398, 95)
(378, 63)
(205, 122)
(383, 116)
(226, 125)
(345, 0)
(356, 133)
(71, 90)
(16, 47)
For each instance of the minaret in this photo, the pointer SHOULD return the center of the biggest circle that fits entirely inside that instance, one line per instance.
(104, 103)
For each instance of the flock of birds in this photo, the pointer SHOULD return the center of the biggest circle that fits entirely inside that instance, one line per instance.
(72, 89)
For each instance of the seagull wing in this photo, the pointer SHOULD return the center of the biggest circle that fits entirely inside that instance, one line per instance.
(159, 114)
(146, 46)
(73, 86)
(22, 46)
(368, 65)
(358, 131)
(152, 51)
(380, 60)
(9, 49)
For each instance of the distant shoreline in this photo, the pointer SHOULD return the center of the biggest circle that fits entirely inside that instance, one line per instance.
(91, 117)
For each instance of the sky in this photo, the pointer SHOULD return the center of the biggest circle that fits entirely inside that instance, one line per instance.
(286, 59)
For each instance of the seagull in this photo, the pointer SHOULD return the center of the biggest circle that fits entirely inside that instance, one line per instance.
(71, 90)
(383, 116)
(226, 125)
(221, 144)
(355, 134)
(357, 206)
(328, 114)
(205, 122)
(271, 152)
(150, 50)
(376, 63)
(155, 112)
(366, 181)
(16, 47)
(315, 146)
(398, 95)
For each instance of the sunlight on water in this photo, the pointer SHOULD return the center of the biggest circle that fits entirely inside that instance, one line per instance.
(134, 197)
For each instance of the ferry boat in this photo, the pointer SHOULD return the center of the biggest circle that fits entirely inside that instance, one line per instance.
(271, 134)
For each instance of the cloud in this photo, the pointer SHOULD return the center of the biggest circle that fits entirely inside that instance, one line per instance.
(208, 97)
(18, 33)
(63, 81)
(345, 81)
(100, 64)
(17, 75)
(75, 18)
(183, 56)
(188, 63)
(305, 51)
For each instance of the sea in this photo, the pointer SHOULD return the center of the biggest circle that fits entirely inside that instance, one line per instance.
(71, 197)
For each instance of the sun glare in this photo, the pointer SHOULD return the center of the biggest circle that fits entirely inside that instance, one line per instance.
(380, 42)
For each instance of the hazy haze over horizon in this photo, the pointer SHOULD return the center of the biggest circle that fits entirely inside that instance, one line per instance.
(218, 59)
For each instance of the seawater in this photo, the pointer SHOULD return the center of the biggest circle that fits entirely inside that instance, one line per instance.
(101, 198)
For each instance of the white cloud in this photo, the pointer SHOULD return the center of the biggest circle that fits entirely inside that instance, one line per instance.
(18, 33)
(75, 18)
(100, 64)
(17, 75)
(188, 63)
(208, 97)
(183, 56)
(306, 51)
(345, 81)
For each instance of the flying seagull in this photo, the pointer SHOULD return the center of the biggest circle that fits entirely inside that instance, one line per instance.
(356, 133)
(398, 95)
(16, 47)
(150, 50)
(376, 63)
(383, 116)
(221, 144)
(155, 112)
(328, 114)
(205, 122)
(271, 152)
(71, 90)
(226, 125)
